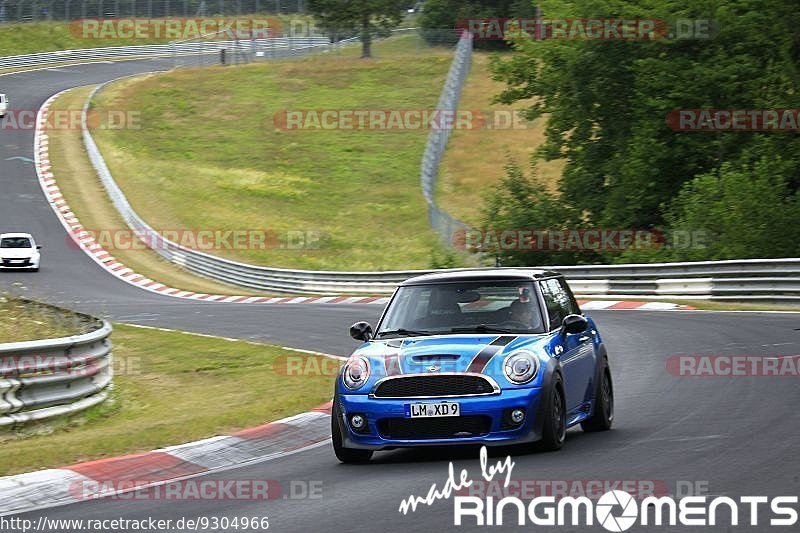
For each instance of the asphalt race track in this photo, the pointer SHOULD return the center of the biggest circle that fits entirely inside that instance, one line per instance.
(736, 436)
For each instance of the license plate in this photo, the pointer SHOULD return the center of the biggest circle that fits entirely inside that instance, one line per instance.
(427, 410)
(16, 261)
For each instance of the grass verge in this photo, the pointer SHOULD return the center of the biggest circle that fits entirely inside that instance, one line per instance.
(169, 388)
(208, 155)
(23, 320)
(87, 198)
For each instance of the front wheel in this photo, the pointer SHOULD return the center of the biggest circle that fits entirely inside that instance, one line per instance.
(554, 429)
(345, 455)
(603, 415)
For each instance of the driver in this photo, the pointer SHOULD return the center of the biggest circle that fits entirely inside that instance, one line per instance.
(522, 312)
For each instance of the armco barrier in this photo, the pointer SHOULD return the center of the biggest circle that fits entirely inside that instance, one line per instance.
(54, 377)
(289, 44)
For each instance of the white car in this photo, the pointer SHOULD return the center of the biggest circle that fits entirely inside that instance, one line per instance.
(19, 251)
(3, 105)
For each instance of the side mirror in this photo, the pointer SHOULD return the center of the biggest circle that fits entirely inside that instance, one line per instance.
(574, 324)
(361, 331)
(38, 246)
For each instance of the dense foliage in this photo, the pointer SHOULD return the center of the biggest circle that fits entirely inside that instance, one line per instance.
(443, 15)
(607, 101)
(365, 18)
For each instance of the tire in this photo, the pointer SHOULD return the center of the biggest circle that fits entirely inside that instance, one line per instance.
(345, 455)
(554, 428)
(603, 415)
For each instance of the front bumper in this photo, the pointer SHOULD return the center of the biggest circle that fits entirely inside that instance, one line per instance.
(383, 414)
(14, 264)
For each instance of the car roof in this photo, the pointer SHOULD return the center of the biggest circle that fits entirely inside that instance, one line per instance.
(4, 235)
(481, 274)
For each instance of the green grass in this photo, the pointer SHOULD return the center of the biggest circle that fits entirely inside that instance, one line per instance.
(209, 156)
(169, 388)
(22, 320)
(46, 36)
(89, 200)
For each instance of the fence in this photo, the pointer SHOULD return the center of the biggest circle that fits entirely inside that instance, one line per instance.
(47, 378)
(200, 52)
(444, 224)
(37, 10)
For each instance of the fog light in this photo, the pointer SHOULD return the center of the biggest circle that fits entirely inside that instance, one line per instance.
(357, 421)
(517, 416)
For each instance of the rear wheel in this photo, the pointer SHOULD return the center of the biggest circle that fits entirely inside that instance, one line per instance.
(603, 415)
(554, 429)
(345, 455)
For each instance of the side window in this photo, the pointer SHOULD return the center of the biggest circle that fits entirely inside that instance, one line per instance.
(559, 301)
(572, 304)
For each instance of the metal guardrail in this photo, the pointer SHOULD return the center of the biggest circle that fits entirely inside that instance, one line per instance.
(441, 222)
(54, 377)
(159, 50)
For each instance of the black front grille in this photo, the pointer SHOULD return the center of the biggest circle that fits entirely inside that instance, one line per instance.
(16, 262)
(433, 385)
(434, 428)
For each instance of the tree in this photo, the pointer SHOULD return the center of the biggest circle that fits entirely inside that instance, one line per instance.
(368, 17)
(440, 16)
(520, 203)
(606, 101)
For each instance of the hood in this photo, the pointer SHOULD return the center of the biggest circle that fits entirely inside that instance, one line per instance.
(17, 253)
(451, 353)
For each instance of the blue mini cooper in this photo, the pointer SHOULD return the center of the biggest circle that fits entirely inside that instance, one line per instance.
(494, 357)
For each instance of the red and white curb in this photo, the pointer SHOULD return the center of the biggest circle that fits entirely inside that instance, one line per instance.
(102, 257)
(130, 473)
(107, 261)
(618, 305)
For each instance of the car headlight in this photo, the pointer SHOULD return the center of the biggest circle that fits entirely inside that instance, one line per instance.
(521, 367)
(355, 373)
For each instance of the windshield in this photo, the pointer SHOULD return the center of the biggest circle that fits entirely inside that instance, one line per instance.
(470, 307)
(15, 242)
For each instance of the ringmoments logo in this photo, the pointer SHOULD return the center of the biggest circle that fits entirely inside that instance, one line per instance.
(615, 510)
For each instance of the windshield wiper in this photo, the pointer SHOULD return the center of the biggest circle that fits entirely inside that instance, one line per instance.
(483, 328)
(405, 332)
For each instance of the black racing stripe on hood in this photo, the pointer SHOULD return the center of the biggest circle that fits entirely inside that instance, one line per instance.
(480, 361)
